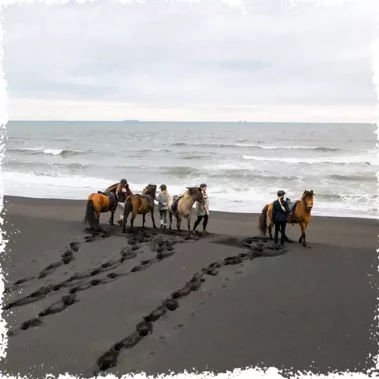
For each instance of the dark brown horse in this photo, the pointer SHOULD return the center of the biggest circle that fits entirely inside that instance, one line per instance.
(98, 203)
(301, 216)
(140, 204)
(184, 206)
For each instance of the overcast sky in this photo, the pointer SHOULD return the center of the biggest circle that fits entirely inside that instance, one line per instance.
(172, 61)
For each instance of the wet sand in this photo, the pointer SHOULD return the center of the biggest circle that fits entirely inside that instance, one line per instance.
(87, 303)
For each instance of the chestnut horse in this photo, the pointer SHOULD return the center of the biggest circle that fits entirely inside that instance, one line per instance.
(100, 203)
(184, 206)
(301, 216)
(140, 204)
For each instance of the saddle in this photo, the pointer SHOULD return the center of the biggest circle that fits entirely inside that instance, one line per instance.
(175, 203)
(292, 206)
(110, 195)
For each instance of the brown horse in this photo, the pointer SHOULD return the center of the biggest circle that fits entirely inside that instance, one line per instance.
(301, 216)
(184, 206)
(100, 203)
(140, 204)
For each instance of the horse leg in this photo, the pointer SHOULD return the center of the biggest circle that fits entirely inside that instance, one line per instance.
(189, 225)
(302, 235)
(270, 230)
(305, 244)
(98, 219)
(128, 207)
(170, 216)
(143, 220)
(178, 222)
(153, 219)
(111, 220)
(132, 221)
(286, 239)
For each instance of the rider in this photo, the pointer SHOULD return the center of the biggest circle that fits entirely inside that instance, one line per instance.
(202, 211)
(280, 211)
(122, 192)
(162, 199)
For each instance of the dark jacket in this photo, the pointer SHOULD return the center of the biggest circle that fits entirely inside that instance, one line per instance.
(278, 215)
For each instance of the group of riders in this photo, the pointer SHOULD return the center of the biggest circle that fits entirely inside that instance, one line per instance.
(119, 192)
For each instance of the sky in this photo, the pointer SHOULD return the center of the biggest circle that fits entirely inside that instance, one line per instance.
(205, 61)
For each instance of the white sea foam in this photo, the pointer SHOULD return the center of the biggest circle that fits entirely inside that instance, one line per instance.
(227, 199)
(371, 160)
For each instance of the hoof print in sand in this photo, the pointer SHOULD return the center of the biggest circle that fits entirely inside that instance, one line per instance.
(108, 360)
(144, 328)
(156, 315)
(59, 306)
(171, 304)
(33, 323)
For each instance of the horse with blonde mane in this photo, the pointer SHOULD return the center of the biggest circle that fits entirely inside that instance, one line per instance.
(181, 206)
(301, 215)
(140, 204)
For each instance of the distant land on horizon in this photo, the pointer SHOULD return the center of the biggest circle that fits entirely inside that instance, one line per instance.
(201, 122)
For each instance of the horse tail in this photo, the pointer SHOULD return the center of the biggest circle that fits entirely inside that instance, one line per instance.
(262, 222)
(90, 213)
(127, 208)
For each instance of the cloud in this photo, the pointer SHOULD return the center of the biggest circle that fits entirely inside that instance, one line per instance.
(170, 55)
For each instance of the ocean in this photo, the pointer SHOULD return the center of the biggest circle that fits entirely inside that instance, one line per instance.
(243, 164)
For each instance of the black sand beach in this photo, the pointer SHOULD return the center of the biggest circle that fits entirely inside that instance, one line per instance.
(82, 303)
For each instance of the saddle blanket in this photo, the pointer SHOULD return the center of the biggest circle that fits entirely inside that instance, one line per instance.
(175, 203)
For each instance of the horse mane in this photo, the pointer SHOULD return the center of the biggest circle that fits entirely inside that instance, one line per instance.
(307, 194)
(192, 191)
(149, 189)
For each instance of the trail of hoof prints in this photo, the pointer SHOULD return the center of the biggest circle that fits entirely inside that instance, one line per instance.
(257, 248)
(67, 256)
(164, 249)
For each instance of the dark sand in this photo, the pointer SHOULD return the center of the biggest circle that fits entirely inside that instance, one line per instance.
(302, 309)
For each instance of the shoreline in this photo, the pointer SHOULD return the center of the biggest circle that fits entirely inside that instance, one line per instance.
(60, 201)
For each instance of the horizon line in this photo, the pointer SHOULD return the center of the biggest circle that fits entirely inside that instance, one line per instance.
(182, 121)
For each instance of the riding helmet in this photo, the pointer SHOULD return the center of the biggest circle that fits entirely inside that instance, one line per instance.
(203, 185)
(281, 193)
(163, 187)
(123, 181)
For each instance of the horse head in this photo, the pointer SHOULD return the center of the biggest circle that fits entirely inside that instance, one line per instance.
(150, 190)
(308, 199)
(197, 194)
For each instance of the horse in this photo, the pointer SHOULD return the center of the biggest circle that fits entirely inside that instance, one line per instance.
(98, 203)
(140, 204)
(181, 206)
(301, 215)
